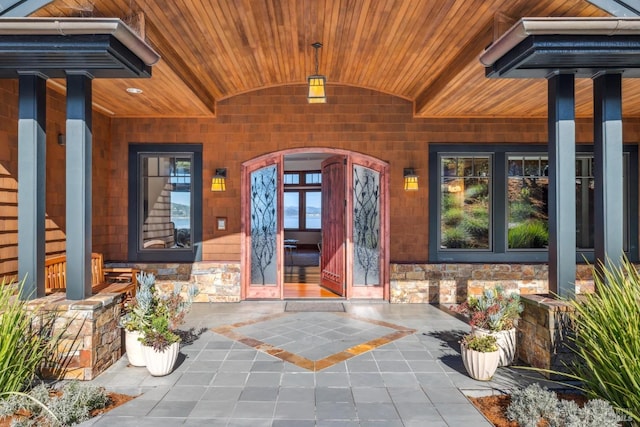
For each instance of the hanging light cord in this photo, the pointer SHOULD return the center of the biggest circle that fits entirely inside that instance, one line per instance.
(316, 46)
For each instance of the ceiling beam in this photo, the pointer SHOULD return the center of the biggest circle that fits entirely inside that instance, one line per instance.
(174, 60)
(477, 43)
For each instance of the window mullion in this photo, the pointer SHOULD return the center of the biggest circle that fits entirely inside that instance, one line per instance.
(499, 203)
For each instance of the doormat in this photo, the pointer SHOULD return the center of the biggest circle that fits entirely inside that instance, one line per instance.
(313, 306)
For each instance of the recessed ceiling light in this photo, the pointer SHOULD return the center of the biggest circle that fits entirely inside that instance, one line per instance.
(134, 90)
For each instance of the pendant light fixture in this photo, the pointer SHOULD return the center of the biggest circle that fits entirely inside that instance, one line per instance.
(317, 84)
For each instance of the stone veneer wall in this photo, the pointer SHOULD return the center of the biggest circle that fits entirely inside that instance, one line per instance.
(409, 283)
(90, 339)
(453, 283)
(217, 281)
(543, 329)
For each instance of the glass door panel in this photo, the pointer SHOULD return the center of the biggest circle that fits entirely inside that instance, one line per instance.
(366, 226)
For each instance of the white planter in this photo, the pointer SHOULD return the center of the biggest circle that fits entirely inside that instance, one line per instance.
(506, 341)
(133, 347)
(480, 366)
(161, 363)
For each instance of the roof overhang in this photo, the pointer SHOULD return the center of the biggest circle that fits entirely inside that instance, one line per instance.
(539, 47)
(102, 47)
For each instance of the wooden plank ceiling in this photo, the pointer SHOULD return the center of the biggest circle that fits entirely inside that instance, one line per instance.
(425, 51)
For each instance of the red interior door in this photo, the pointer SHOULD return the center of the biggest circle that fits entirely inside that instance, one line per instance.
(332, 264)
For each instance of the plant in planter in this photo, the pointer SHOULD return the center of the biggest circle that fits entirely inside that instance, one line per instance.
(495, 313)
(480, 355)
(160, 340)
(137, 317)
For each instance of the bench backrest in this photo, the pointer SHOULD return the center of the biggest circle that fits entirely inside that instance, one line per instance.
(55, 272)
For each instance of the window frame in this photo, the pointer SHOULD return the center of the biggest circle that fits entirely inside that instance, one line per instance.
(302, 188)
(137, 254)
(499, 205)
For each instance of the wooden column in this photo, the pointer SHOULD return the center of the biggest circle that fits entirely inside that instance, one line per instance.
(609, 187)
(32, 145)
(562, 185)
(79, 241)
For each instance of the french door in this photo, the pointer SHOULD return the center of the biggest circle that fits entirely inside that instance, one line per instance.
(332, 260)
(355, 226)
(262, 224)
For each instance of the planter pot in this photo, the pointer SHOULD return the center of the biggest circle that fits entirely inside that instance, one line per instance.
(160, 363)
(506, 341)
(133, 347)
(480, 366)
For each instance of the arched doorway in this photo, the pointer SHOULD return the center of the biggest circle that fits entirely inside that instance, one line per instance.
(354, 232)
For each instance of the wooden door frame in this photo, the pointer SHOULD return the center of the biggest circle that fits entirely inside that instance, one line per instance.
(277, 158)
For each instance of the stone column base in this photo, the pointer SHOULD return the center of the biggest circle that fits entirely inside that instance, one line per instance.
(90, 339)
(543, 334)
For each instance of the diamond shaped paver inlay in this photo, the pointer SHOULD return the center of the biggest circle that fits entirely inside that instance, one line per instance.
(314, 341)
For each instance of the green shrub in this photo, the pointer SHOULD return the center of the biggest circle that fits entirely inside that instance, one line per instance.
(23, 346)
(607, 339)
(521, 211)
(530, 404)
(449, 201)
(533, 404)
(481, 343)
(69, 405)
(454, 238)
(452, 216)
(529, 234)
(476, 227)
(475, 191)
(480, 211)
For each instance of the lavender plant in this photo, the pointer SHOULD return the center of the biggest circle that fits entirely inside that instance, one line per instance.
(533, 404)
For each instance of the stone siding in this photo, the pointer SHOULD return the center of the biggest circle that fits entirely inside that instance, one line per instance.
(89, 337)
(216, 281)
(219, 281)
(543, 331)
(453, 283)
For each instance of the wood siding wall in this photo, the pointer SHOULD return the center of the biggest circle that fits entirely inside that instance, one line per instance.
(55, 177)
(248, 126)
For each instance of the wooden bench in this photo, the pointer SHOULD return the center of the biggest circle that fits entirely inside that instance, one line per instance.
(117, 279)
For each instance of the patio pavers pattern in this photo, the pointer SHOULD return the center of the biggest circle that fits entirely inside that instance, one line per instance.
(314, 341)
(415, 380)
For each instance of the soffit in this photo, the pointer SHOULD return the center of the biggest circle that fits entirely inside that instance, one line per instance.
(425, 51)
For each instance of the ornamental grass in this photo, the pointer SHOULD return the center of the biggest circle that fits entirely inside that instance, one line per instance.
(607, 339)
(23, 346)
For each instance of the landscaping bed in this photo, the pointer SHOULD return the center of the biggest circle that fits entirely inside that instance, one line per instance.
(494, 407)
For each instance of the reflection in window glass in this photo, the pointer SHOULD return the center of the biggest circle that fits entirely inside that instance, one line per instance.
(292, 209)
(166, 204)
(366, 226)
(264, 220)
(465, 212)
(313, 210)
(585, 193)
(527, 195)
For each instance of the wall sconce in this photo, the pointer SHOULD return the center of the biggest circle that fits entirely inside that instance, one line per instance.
(219, 180)
(317, 84)
(410, 180)
(62, 140)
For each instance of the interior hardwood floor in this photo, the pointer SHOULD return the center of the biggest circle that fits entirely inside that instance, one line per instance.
(304, 282)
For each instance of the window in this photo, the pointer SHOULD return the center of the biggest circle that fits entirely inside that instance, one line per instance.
(492, 204)
(302, 200)
(465, 212)
(527, 193)
(165, 224)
